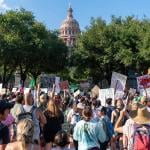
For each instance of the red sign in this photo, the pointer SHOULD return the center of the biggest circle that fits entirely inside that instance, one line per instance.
(143, 81)
(64, 85)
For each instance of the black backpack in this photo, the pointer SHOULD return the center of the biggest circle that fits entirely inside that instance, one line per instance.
(24, 114)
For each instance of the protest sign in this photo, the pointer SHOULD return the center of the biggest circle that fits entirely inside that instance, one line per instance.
(132, 91)
(143, 82)
(14, 90)
(57, 81)
(64, 85)
(104, 94)
(76, 93)
(27, 90)
(95, 91)
(45, 90)
(3, 91)
(84, 85)
(119, 94)
(47, 81)
(118, 81)
(1, 85)
(145, 92)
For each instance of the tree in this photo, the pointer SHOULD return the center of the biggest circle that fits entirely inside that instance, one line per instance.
(118, 46)
(30, 47)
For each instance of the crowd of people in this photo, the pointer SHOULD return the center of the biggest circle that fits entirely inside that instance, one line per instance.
(63, 122)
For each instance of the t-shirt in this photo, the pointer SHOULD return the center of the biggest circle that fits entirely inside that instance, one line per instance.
(4, 134)
(88, 134)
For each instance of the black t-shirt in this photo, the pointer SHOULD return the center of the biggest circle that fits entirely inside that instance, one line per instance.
(4, 134)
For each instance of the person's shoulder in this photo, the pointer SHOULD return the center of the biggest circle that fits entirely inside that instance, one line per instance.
(12, 146)
(81, 122)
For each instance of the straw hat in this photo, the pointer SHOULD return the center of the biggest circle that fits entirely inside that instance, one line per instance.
(141, 116)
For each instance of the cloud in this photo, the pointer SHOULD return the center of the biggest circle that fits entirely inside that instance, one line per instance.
(3, 5)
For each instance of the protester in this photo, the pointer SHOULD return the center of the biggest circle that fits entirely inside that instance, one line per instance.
(107, 125)
(88, 133)
(116, 112)
(25, 131)
(42, 102)
(31, 112)
(55, 119)
(109, 107)
(19, 101)
(137, 126)
(4, 130)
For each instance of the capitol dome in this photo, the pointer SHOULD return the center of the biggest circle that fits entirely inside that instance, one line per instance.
(69, 29)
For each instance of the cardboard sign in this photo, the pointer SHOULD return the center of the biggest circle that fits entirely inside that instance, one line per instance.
(104, 94)
(118, 81)
(76, 93)
(64, 85)
(95, 91)
(143, 82)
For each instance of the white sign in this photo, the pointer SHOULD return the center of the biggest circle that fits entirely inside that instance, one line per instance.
(57, 81)
(45, 90)
(27, 90)
(1, 85)
(14, 90)
(118, 81)
(145, 92)
(3, 91)
(119, 94)
(76, 93)
(104, 94)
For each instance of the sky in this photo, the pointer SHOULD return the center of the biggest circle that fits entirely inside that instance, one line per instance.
(53, 12)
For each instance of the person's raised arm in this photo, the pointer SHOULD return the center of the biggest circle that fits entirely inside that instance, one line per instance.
(118, 127)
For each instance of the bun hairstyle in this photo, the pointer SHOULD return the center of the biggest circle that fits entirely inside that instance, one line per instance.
(25, 130)
(87, 113)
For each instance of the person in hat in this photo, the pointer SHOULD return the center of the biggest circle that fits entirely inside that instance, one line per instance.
(138, 118)
(88, 133)
(4, 131)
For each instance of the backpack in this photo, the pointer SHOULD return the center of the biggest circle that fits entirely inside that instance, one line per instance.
(141, 138)
(25, 114)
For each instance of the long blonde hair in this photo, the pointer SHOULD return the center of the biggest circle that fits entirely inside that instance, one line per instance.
(25, 130)
(53, 109)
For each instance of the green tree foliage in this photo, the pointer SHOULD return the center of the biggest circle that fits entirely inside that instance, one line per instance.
(121, 45)
(28, 47)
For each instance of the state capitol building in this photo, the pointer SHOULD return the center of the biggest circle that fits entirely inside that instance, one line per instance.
(69, 29)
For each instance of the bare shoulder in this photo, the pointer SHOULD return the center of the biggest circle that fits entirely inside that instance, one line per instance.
(13, 146)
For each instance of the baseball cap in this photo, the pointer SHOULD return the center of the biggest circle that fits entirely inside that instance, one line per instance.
(5, 105)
